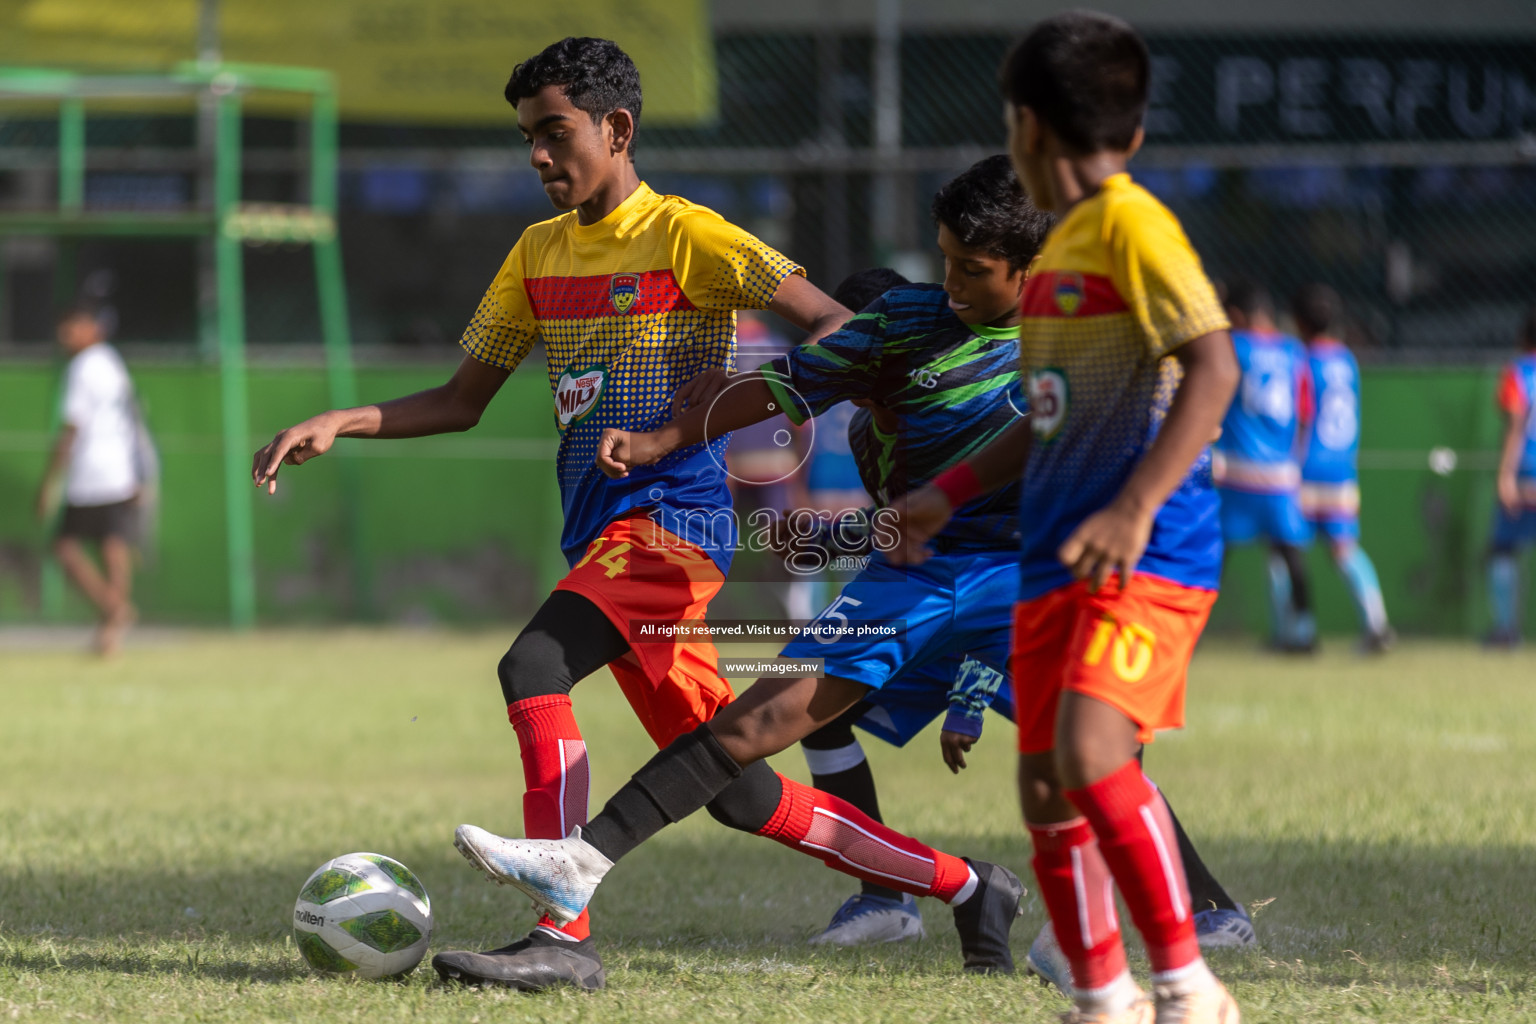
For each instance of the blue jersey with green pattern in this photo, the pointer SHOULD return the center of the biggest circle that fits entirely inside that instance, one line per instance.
(953, 387)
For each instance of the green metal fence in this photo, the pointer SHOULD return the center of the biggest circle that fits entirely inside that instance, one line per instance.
(1398, 166)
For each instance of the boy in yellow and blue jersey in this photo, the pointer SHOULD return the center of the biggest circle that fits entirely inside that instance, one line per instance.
(631, 294)
(1130, 370)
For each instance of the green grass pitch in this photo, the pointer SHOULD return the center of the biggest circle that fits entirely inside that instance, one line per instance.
(158, 816)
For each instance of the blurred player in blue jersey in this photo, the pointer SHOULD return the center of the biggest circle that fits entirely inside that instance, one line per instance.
(1514, 524)
(1256, 460)
(958, 683)
(834, 481)
(1330, 481)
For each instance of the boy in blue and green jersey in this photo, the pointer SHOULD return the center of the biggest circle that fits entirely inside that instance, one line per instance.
(961, 687)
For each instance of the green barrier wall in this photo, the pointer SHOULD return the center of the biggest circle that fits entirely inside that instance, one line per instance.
(458, 528)
(465, 528)
(1426, 532)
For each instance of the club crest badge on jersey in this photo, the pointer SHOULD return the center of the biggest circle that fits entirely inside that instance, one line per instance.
(623, 290)
(1069, 293)
(577, 392)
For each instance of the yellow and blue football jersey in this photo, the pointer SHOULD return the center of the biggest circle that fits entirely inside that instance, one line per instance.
(629, 308)
(1116, 290)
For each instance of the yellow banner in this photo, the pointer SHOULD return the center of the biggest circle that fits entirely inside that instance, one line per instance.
(437, 61)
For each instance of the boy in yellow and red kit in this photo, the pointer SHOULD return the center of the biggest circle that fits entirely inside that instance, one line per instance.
(1130, 368)
(632, 294)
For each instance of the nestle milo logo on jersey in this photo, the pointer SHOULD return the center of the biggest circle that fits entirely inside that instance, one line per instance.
(1047, 401)
(1069, 293)
(577, 392)
(623, 290)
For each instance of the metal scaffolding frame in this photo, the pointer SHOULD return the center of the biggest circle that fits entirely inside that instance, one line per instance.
(230, 224)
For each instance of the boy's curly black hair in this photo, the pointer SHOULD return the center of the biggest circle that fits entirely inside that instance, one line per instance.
(596, 75)
(987, 209)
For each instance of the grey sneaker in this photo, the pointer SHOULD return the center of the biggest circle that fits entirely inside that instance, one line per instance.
(864, 920)
(1222, 928)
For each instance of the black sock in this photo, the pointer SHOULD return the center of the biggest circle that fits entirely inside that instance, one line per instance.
(690, 772)
(1296, 565)
(857, 786)
(1205, 893)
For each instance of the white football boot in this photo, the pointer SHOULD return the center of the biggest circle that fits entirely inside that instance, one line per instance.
(559, 875)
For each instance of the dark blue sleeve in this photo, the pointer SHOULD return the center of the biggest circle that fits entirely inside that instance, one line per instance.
(845, 364)
(971, 694)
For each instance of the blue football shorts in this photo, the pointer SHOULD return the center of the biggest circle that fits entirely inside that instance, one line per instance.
(904, 631)
(1332, 507)
(1246, 517)
(1513, 531)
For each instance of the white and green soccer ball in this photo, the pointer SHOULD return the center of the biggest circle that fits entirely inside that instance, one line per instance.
(363, 914)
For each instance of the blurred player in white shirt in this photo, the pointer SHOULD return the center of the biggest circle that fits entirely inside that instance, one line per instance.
(95, 458)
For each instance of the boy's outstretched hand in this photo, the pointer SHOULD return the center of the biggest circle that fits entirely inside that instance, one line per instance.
(920, 515)
(1111, 540)
(295, 446)
(619, 451)
(954, 746)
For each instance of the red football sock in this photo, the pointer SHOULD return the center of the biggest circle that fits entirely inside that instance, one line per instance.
(1079, 892)
(556, 776)
(1137, 841)
(847, 839)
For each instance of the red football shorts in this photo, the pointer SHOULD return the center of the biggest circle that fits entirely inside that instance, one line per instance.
(1129, 648)
(635, 570)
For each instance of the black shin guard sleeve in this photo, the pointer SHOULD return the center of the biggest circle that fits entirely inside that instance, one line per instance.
(689, 773)
(1205, 893)
(748, 803)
